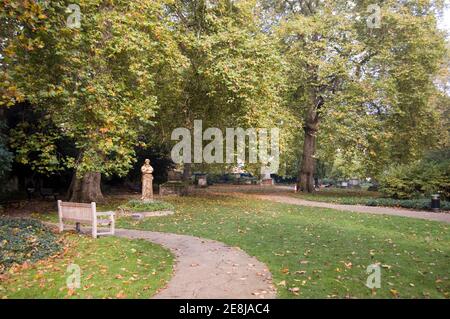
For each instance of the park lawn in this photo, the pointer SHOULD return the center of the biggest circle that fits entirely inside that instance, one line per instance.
(111, 267)
(322, 252)
(339, 196)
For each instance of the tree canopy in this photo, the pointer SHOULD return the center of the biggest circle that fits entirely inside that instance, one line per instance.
(347, 86)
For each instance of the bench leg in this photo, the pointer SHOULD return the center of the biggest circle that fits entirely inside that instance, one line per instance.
(77, 227)
(94, 228)
(112, 225)
(60, 217)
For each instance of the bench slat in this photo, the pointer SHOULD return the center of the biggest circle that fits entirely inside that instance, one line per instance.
(78, 205)
(77, 220)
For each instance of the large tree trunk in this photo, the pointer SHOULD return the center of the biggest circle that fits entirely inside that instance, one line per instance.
(86, 189)
(306, 174)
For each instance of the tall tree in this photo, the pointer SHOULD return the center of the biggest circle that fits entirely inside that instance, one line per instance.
(348, 72)
(231, 73)
(94, 80)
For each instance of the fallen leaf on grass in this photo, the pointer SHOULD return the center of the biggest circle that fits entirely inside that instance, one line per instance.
(394, 293)
(121, 295)
(294, 290)
(71, 292)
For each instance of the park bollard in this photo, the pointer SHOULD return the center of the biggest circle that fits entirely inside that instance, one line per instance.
(435, 203)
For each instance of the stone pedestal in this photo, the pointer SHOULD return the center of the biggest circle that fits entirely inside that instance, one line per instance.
(267, 182)
(266, 178)
(202, 181)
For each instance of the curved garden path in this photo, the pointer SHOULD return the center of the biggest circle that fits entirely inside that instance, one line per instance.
(206, 269)
(441, 217)
(278, 195)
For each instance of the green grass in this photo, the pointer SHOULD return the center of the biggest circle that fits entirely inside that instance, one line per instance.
(141, 206)
(340, 196)
(110, 268)
(323, 252)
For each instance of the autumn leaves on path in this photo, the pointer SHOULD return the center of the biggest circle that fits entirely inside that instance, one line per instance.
(209, 269)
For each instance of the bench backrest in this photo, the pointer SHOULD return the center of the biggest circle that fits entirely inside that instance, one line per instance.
(77, 212)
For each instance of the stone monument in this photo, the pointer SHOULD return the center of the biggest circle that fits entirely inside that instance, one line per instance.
(147, 181)
(266, 179)
(175, 184)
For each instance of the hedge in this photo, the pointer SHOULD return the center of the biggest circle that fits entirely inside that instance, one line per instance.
(416, 180)
(421, 204)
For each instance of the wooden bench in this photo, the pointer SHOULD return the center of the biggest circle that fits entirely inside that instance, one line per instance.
(85, 214)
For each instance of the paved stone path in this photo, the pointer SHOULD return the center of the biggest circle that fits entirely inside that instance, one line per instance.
(208, 269)
(441, 217)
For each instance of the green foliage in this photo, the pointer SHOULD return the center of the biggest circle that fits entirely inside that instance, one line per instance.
(141, 206)
(371, 90)
(369, 198)
(417, 179)
(6, 157)
(230, 75)
(420, 204)
(25, 240)
(132, 64)
(35, 145)
(96, 83)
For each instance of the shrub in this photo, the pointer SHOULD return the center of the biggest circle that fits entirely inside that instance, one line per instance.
(141, 206)
(25, 240)
(416, 180)
(422, 204)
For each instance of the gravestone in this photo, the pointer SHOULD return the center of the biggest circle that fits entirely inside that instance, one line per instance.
(175, 184)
